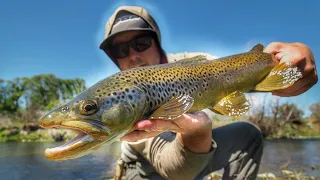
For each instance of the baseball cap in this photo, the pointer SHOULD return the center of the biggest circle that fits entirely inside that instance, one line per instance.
(128, 18)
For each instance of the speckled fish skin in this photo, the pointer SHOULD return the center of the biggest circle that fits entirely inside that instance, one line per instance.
(207, 82)
(128, 96)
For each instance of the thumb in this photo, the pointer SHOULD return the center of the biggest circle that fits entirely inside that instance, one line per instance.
(286, 58)
(274, 47)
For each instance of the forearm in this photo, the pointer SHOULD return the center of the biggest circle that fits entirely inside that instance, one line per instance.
(174, 161)
(197, 143)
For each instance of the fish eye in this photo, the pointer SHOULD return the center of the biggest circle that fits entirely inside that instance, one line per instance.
(88, 107)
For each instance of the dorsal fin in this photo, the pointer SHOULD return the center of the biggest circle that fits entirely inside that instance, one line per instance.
(257, 48)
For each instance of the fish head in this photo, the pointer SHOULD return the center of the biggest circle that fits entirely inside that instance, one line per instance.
(98, 116)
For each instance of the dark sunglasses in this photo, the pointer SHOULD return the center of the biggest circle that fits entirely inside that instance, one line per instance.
(139, 44)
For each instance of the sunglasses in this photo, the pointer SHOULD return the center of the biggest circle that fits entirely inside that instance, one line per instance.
(139, 44)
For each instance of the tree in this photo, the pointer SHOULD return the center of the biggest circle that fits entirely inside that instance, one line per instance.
(315, 111)
(45, 91)
(48, 91)
(290, 113)
(10, 94)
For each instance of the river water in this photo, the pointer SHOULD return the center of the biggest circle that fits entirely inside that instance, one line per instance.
(26, 160)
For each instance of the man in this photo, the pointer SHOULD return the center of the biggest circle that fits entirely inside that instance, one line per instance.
(133, 39)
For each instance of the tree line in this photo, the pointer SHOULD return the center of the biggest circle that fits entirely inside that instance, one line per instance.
(271, 115)
(24, 96)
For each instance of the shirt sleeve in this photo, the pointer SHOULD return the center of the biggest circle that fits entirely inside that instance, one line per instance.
(172, 160)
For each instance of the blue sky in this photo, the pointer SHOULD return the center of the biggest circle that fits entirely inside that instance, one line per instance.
(62, 37)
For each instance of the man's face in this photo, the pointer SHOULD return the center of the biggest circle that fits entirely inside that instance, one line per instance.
(147, 57)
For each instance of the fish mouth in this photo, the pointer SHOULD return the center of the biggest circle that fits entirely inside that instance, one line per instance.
(88, 137)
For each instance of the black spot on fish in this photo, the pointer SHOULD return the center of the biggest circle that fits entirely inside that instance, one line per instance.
(130, 96)
(98, 90)
(114, 93)
(151, 104)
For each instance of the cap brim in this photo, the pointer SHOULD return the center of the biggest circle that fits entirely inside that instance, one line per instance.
(107, 42)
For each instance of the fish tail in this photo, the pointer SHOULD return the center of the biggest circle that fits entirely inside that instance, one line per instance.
(281, 76)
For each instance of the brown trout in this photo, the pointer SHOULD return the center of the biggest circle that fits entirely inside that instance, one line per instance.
(109, 109)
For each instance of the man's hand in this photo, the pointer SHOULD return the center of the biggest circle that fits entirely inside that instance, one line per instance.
(194, 130)
(301, 56)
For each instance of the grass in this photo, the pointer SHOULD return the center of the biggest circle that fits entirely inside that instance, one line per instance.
(22, 136)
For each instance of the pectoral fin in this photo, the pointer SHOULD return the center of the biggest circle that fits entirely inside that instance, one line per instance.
(280, 77)
(174, 108)
(235, 104)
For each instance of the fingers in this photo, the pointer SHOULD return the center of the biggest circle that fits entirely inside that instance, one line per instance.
(188, 119)
(274, 47)
(301, 86)
(150, 128)
(292, 91)
(138, 135)
(185, 124)
(157, 125)
(299, 55)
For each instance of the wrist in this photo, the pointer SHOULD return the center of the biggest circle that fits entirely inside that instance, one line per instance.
(197, 143)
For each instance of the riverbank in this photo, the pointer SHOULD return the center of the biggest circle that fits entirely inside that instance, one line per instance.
(39, 135)
(36, 134)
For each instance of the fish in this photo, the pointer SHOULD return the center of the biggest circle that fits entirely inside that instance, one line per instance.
(108, 110)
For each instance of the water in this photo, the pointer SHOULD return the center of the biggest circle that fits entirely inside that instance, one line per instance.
(298, 155)
(26, 160)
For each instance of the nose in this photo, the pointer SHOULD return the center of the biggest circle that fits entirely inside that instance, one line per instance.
(135, 58)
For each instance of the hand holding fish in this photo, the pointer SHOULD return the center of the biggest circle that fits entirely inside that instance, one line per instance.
(300, 55)
(194, 130)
